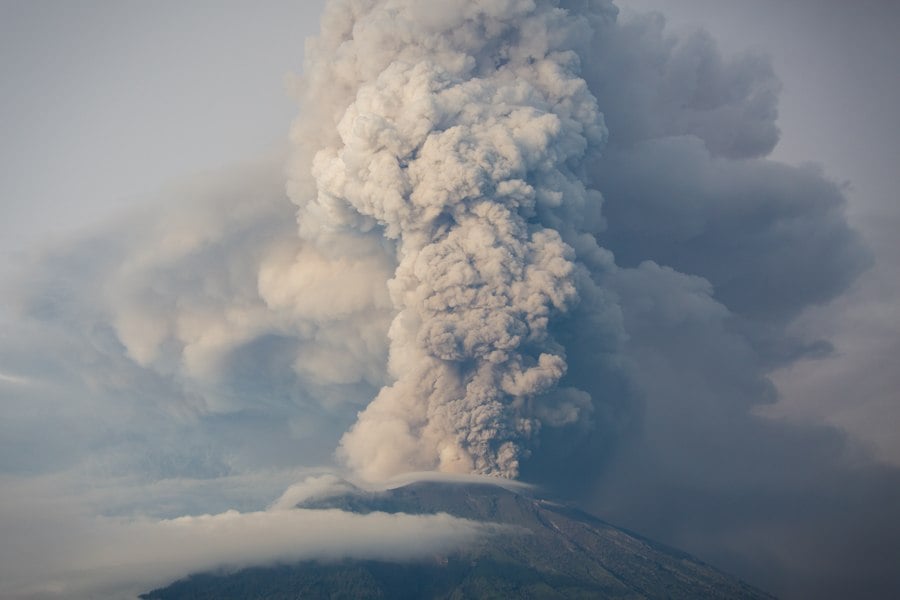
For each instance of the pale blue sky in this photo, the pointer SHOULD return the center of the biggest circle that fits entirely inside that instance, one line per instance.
(106, 102)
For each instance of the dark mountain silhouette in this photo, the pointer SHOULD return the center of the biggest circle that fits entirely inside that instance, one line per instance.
(548, 550)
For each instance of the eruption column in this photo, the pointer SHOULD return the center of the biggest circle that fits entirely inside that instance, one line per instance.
(461, 127)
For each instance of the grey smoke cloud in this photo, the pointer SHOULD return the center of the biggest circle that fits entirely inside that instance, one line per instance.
(169, 341)
(652, 85)
(546, 242)
(739, 224)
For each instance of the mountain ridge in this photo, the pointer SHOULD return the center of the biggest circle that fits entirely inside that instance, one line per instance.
(541, 549)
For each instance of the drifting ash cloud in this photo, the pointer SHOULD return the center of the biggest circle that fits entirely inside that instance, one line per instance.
(546, 240)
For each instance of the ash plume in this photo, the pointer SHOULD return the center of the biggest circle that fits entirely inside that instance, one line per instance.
(462, 132)
(461, 291)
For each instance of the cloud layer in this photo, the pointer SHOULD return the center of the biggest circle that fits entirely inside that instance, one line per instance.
(61, 553)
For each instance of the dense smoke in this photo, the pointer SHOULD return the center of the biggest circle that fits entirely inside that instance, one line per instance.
(462, 135)
(536, 240)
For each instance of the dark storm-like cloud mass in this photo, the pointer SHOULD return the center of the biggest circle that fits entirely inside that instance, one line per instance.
(551, 239)
(654, 85)
(770, 238)
(718, 249)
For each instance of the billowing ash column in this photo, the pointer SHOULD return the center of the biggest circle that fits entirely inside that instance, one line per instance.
(456, 130)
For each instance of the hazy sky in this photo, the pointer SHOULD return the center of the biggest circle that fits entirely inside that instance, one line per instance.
(105, 103)
(133, 134)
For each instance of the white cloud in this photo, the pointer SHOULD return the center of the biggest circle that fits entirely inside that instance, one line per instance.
(54, 550)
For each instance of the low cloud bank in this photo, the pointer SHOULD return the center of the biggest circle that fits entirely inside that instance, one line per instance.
(61, 553)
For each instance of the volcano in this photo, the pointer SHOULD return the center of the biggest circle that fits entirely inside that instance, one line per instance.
(541, 549)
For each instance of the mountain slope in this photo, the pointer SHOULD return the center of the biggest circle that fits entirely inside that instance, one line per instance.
(547, 550)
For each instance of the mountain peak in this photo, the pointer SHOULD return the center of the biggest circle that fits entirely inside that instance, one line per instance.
(539, 549)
